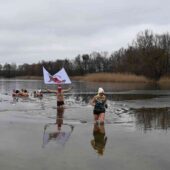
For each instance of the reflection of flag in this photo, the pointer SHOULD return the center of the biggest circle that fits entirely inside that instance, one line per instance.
(59, 137)
(60, 77)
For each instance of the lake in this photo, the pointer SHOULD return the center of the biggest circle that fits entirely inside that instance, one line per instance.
(35, 134)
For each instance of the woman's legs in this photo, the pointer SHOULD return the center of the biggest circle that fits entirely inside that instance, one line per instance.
(101, 117)
(96, 117)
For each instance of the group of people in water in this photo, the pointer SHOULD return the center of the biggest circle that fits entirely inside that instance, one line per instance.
(20, 93)
(99, 102)
(25, 93)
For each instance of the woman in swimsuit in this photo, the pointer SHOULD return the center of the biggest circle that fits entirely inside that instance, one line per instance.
(99, 103)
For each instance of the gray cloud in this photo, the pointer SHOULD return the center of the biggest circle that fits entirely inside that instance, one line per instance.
(32, 31)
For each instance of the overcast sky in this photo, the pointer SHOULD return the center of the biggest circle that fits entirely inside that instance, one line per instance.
(36, 30)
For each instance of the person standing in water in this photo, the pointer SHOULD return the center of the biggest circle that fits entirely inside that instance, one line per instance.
(99, 103)
(60, 95)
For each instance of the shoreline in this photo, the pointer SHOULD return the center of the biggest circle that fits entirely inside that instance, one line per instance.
(106, 77)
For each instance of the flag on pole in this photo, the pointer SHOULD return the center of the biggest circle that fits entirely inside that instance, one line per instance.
(60, 77)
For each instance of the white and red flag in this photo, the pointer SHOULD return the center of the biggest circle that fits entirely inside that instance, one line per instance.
(60, 77)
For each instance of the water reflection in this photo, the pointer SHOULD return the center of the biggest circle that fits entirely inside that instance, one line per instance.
(100, 139)
(59, 117)
(58, 131)
(122, 98)
(153, 118)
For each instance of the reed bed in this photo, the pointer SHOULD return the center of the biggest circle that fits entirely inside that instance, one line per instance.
(164, 80)
(114, 77)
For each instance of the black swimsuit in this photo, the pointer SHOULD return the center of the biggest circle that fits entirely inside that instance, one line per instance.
(99, 108)
(60, 103)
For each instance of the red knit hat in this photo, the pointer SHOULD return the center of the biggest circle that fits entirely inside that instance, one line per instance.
(59, 88)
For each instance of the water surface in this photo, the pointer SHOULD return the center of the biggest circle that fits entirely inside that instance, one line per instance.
(36, 135)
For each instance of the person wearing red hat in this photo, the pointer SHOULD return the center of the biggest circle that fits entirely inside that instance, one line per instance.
(60, 95)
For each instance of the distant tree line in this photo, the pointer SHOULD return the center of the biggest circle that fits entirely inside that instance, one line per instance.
(148, 55)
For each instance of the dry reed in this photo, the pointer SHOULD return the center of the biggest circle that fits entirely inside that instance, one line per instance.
(114, 77)
(164, 80)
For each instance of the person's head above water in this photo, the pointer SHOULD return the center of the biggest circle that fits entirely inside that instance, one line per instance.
(59, 88)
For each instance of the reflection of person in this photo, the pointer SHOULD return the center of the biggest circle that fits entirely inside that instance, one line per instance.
(60, 94)
(59, 117)
(58, 135)
(99, 103)
(99, 141)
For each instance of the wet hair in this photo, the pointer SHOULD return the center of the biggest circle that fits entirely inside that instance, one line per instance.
(17, 91)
